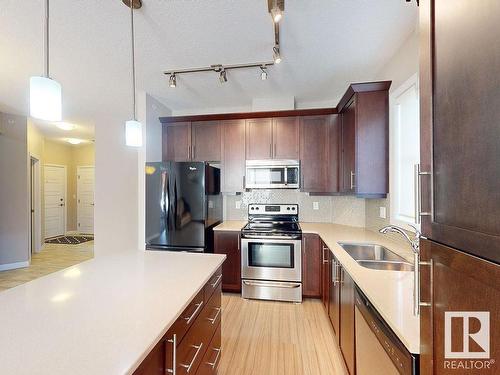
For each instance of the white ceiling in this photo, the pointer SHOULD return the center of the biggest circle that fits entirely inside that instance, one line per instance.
(326, 44)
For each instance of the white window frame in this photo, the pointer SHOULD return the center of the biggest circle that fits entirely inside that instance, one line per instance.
(413, 81)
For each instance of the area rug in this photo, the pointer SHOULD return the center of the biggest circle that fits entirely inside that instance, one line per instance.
(70, 240)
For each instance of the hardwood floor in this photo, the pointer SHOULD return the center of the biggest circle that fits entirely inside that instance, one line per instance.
(52, 258)
(276, 338)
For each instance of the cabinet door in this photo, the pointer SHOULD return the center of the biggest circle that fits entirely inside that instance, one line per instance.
(314, 153)
(233, 156)
(334, 308)
(177, 141)
(334, 154)
(211, 359)
(325, 275)
(311, 266)
(348, 123)
(456, 282)
(228, 243)
(206, 141)
(286, 138)
(154, 364)
(460, 116)
(347, 334)
(259, 139)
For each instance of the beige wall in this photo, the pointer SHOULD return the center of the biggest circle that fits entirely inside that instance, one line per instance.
(71, 156)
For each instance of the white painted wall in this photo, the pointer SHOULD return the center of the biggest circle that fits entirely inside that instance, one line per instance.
(14, 192)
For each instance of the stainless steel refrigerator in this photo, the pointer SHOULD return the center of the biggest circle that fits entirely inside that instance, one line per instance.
(183, 204)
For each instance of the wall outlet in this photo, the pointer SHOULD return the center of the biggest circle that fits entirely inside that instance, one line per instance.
(382, 212)
(238, 205)
(210, 204)
(315, 205)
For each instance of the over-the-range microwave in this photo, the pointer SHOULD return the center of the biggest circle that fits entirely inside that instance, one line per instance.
(272, 174)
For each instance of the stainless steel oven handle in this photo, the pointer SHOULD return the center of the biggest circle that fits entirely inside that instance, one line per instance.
(270, 239)
(273, 284)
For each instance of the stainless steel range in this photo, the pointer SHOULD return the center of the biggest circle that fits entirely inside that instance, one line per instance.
(271, 260)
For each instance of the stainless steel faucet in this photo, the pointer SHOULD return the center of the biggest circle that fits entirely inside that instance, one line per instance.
(415, 245)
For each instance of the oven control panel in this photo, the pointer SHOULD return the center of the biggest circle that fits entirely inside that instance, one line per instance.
(273, 209)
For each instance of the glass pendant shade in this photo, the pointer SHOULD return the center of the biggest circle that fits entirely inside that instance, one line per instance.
(45, 99)
(133, 133)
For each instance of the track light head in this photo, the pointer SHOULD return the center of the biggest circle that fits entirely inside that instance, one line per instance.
(172, 82)
(277, 14)
(276, 54)
(263, 72)
(223, 76)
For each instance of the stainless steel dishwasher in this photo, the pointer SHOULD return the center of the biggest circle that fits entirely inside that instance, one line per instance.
(378, 349)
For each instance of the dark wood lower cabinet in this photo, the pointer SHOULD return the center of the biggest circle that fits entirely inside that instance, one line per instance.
(228, 243)
(325, 275)
(311, 265)
(465, 290)
(334, 300)
(347, 334)
(193, 343)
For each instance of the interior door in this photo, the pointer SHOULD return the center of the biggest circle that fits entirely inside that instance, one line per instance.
(463, 293)
(55, 200)
(85, 199)
(460, 116)
(286, 138)
(259, 139)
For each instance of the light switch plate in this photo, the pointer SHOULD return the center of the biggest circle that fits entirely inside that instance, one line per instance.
(210, 204)
(315, 205)
(382, 212)
(238, 205)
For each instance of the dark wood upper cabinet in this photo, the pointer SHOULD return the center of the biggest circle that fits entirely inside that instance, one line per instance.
(311, 265)
(206, 141)
(233, 155)
(334, 154)
(457, 282)
(228, 243)
(259, 139)
(364, 112)
(460, 124)
(177, 141)
(347, 333)
(314, 153)
(286, 138)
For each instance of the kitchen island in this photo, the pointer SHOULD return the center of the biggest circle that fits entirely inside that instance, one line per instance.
(102, 316)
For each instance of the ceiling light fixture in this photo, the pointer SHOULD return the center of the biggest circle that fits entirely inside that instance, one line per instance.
(173, 80)
(74, 141)
(133, 128)
(276, 54)
(223, 76)
(263, 72)
(65, 126)
(45, 93)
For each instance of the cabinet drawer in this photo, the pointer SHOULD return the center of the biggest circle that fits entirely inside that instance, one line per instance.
(213, 283)
(187, 318)
(212, 357)
(196, 342)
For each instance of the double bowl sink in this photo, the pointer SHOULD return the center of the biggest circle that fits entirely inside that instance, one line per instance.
(376, 257)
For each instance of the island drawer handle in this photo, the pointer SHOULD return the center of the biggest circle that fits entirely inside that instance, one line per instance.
(198, 307)
(173, 340)
(216, 281)
(198, 348)
(214, 319)
(214, 363)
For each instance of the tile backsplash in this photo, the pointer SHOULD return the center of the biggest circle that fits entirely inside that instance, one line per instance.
(331, 209)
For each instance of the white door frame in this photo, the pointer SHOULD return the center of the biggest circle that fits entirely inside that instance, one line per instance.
(65, 193)
(37, 204)
(78, 168)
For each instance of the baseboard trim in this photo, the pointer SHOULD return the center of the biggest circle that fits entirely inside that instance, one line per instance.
(13, 266)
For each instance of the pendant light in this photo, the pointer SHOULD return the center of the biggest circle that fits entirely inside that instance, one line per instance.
(133, 128)
(45, 93)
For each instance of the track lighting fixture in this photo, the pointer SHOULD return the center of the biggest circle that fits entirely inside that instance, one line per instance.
(263, 72)
(277, 14)
(172, 80)
(276, 8)
(223, 76)
(276, 54)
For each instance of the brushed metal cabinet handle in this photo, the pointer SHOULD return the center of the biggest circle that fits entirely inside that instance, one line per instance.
(198, 307)
(214, 319)
(173, 370)
(216, 281)
(352, 180)
(188, 367)
(214, 363)
(416, 294)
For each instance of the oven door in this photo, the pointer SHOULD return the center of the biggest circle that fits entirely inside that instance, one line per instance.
(271, 259)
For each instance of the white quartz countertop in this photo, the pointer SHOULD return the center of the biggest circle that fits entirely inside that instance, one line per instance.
(390, 292)
(231, 226)
(102, 316)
